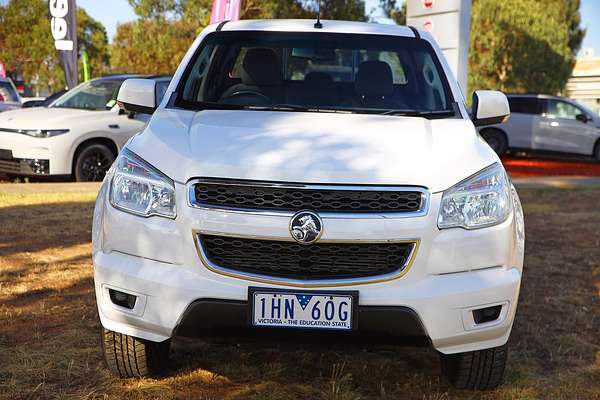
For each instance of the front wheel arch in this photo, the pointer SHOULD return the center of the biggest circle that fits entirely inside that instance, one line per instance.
(596, 152)
(504, 137)
(88, 142)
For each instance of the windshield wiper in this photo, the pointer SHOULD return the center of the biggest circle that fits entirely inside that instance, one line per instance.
(299, 108)
(279, 107)
(418, 113)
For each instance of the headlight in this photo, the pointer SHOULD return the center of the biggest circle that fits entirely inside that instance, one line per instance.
(139, 188)
(40, 133)
(479, 201)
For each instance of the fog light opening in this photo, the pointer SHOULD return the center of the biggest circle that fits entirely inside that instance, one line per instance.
(487, 314)
(122, 299)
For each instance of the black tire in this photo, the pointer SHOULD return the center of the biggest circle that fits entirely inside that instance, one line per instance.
(130, 357)
(483, 369)
(93, 162)
(496, 139)
(597, 151)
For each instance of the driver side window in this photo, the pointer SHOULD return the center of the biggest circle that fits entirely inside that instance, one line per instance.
(562, 109)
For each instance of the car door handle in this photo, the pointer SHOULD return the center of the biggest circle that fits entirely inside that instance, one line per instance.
(114, 126)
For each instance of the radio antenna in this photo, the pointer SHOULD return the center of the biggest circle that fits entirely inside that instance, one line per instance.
(318, 24)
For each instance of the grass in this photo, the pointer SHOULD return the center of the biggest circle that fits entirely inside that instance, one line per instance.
(49, 342)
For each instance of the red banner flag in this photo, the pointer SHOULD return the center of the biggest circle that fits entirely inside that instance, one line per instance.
(225, 10)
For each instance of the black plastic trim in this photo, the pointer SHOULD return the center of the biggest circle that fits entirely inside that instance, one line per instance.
(218, 318)
(134, 108)
(221, 25)
(415, 31)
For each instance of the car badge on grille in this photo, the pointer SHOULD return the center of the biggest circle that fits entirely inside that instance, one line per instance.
(306, 227)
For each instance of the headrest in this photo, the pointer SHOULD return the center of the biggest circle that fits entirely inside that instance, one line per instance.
(261, 67)
(374, 79)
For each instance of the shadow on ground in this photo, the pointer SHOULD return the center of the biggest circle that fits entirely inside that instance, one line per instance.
(49, 342)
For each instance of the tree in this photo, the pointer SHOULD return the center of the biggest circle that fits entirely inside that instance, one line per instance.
(166, 28)
(92, 37)
(252, 9)
(569, 10)
(158, 40)
(28, 47)
(151, 46)
(348, 10)
(274, 9)
(523, 45)
(391, 10)
(154, 8)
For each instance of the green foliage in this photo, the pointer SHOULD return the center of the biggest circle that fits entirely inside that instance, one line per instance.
(261, 9)
(523, 45)
(28, 47)
(196, 12)
(156, 43)
(393, 11)
(151, 46)
(347, 10)
(154, 8)
(570, 10)
(91, 36)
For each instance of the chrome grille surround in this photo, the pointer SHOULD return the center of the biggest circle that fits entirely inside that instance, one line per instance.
(318, 261)
(298, 187)
(334, 282)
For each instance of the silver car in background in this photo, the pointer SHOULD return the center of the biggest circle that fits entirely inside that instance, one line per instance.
(9, 96)
(546, 123)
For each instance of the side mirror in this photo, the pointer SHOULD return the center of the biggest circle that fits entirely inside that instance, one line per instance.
(137, 96)
(489, 107)
(583, 118)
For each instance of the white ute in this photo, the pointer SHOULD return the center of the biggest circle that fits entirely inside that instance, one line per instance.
(315, 179)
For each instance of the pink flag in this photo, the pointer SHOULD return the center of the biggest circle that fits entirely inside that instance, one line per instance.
(2, 71)
(225, 10)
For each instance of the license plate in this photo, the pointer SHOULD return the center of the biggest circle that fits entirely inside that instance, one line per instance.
(302, 309)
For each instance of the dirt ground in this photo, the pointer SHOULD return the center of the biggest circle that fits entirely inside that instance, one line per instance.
(50, 349)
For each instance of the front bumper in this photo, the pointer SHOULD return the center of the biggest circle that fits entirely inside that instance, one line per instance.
(25, 155)
(22, 166)
(454, 272)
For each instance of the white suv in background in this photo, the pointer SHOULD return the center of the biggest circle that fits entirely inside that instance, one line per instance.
(297, 178)
(77, 135)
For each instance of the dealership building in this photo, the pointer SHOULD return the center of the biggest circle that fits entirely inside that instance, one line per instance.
(584, 85)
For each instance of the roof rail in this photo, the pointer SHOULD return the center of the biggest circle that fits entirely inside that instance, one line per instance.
(415, 31)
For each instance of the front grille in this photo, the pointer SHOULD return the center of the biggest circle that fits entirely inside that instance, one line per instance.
(291, 197)
(315, 262)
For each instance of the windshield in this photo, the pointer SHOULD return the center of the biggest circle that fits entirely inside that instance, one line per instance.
(315, 72)
(8, 93)
(92, 95)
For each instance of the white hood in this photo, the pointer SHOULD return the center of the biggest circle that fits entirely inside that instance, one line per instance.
(42, 117)
(313, 147)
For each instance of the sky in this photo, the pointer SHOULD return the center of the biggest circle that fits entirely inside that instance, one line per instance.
(112, 12)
